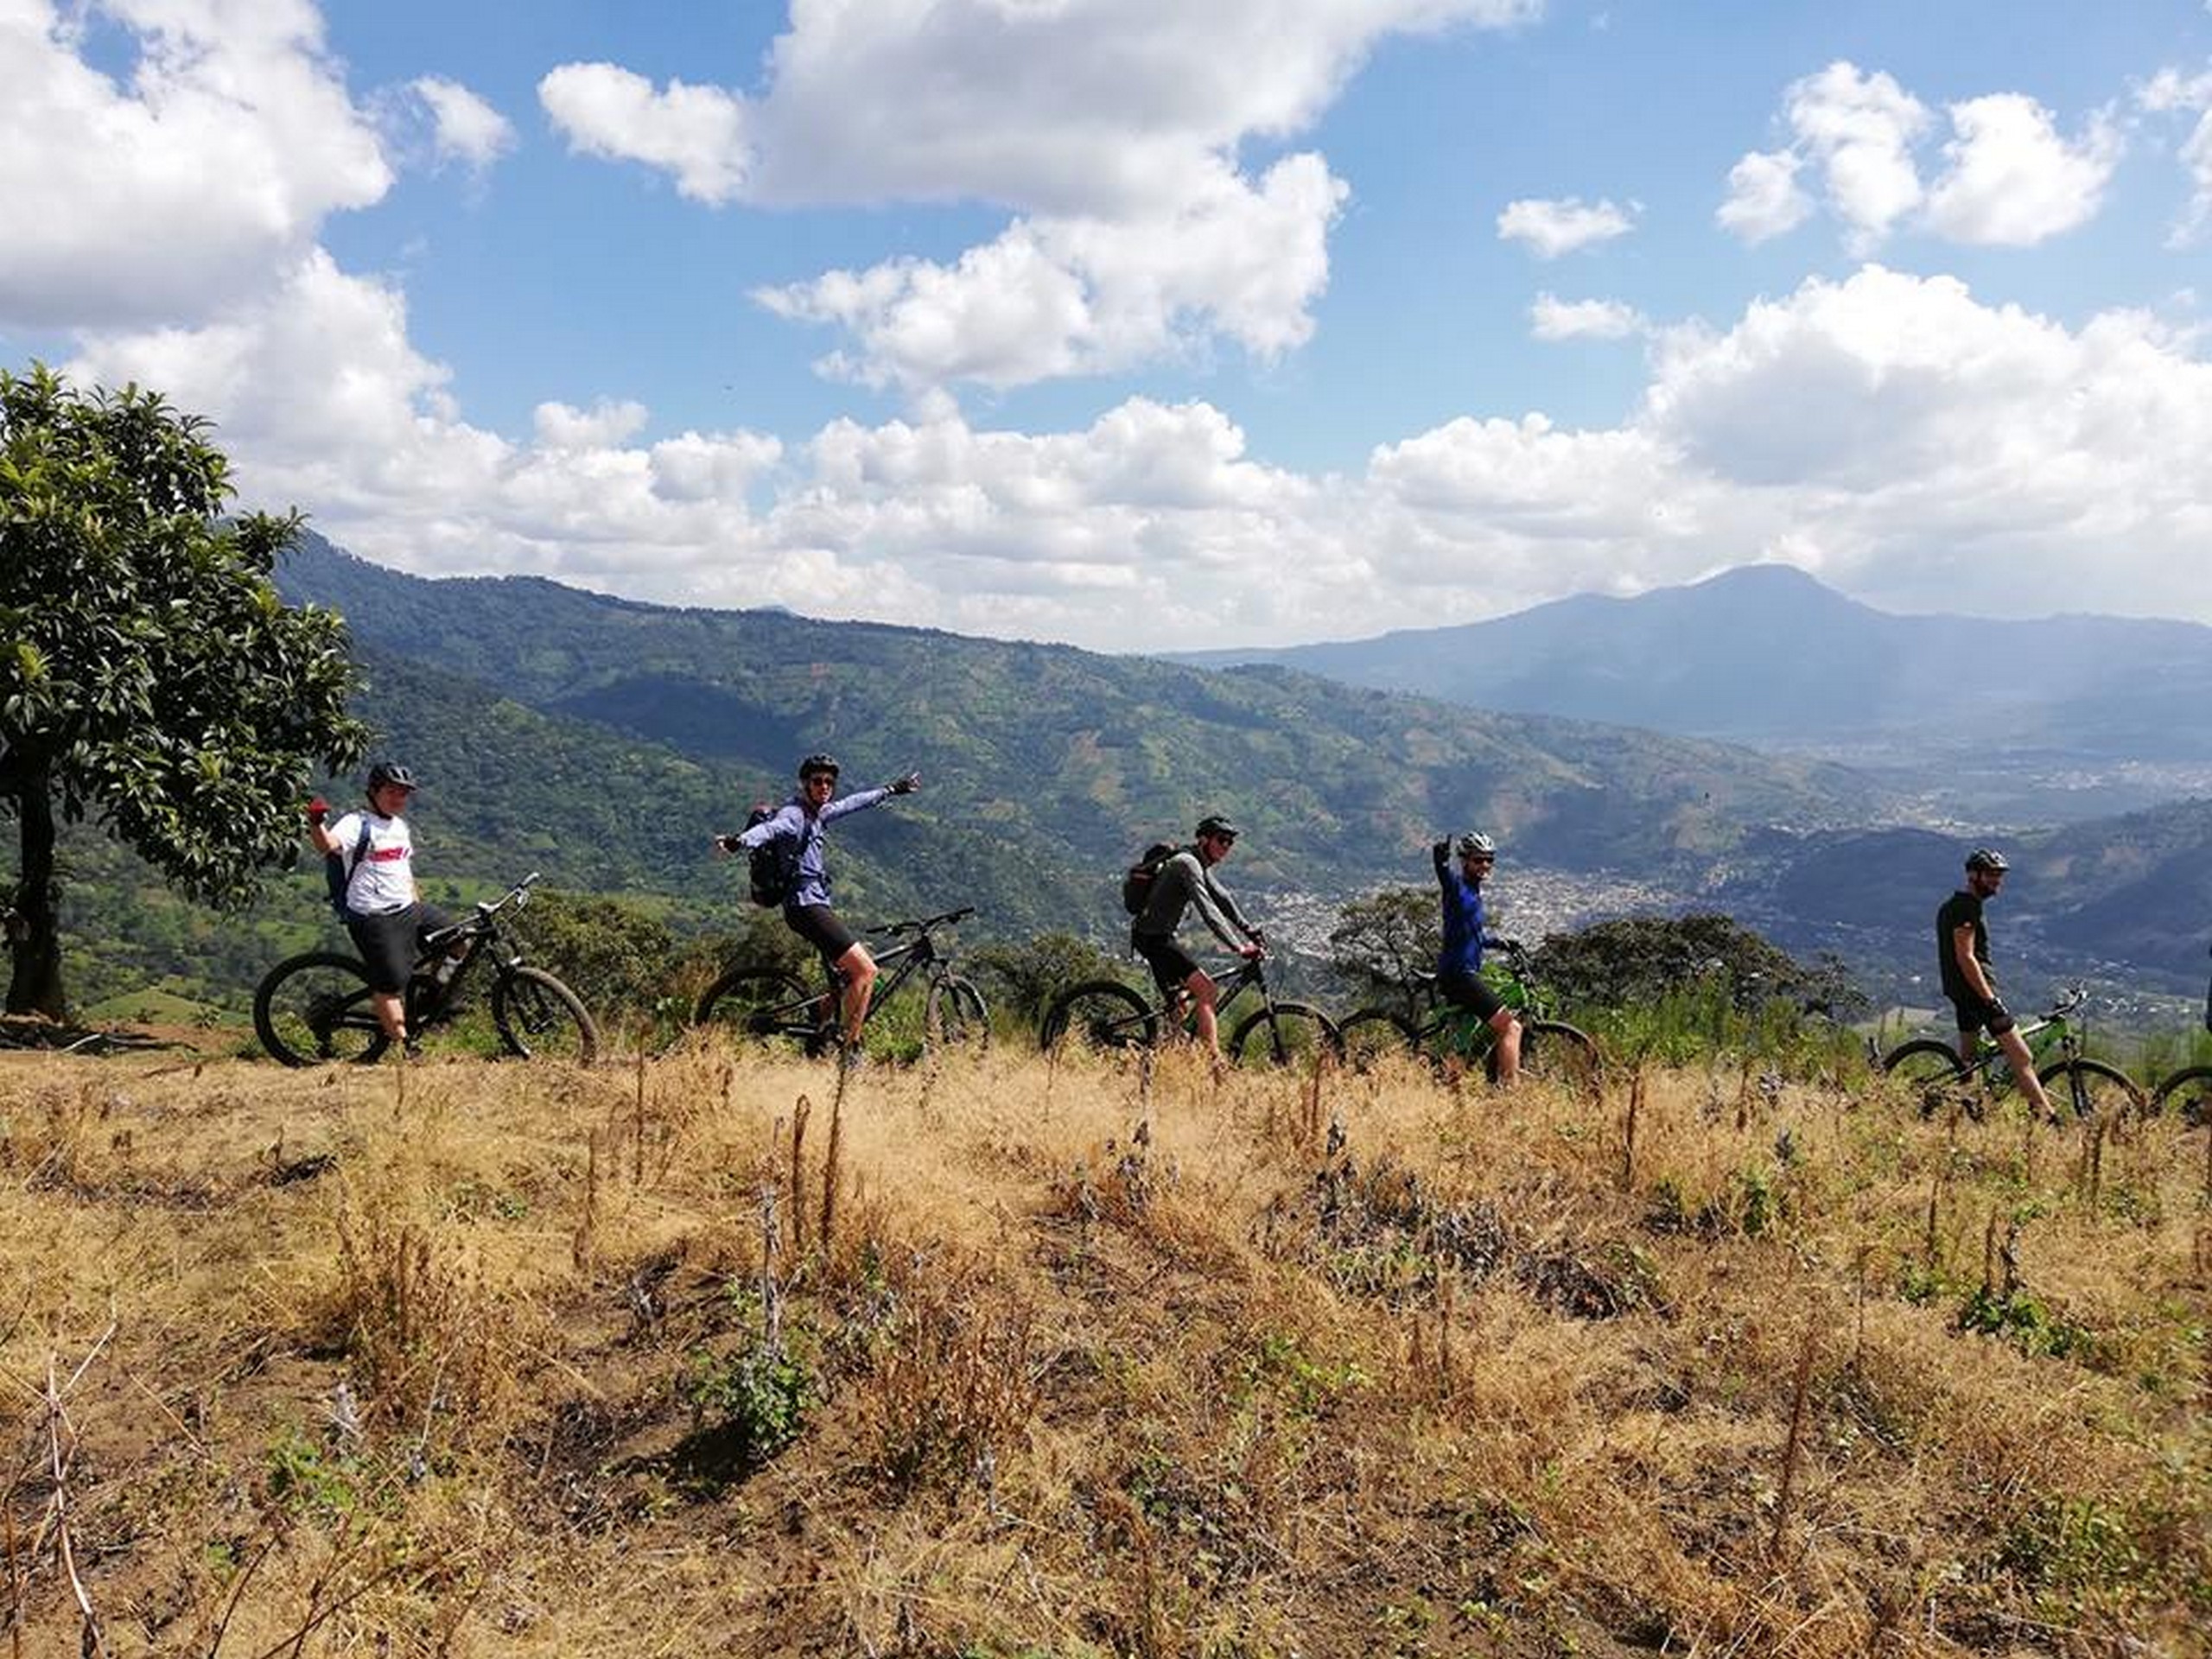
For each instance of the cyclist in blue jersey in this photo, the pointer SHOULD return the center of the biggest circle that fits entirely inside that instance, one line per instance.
(801, 821)
(1459, 966)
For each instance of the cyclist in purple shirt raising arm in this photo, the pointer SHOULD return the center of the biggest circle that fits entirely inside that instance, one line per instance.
(1466, 931)
(801, 821)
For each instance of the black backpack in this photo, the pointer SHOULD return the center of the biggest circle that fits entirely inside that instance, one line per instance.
(338, 872)
(1136, 881)
(772, 868)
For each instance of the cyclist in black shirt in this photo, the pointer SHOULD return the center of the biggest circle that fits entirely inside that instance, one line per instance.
(1962, 962)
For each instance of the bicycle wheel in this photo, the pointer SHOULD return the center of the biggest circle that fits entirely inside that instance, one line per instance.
(1289, 1034)
(955, 1016)
(1931, 1070)
(1099, 1013)
(313, 1008)
(1373, 1035)
(767, 1004)
(539, 1017)
(1555, 1052)
(2189, 1093)
(2084, 1089)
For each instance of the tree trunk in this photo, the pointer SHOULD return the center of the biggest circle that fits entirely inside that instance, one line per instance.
(35, 930)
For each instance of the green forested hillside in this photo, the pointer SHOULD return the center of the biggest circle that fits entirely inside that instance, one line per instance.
(1078, 756)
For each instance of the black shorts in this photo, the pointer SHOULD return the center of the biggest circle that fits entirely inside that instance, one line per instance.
(1172, 965)
(1992, 1016)
(390, 941)
(819, 927)
(1465, 991)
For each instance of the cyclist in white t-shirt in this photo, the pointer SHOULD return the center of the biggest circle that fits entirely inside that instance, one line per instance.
(383, 912)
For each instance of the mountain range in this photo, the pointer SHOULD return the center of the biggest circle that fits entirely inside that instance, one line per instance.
(604, 740)
(2063, 717)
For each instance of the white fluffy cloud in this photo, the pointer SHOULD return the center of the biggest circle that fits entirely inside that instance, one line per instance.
(2013, 180)
(1548, 229)
(2008, 176)
(464, 128)
(1553, 318)
(1110, 128)
(1763, 199)
(2169, 91)
(1056, 297)
(1937, 452)
(1860, 130)
(696, 134)
(229, 141)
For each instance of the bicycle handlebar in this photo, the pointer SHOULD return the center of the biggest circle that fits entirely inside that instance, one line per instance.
(486, 910)
(2068, 999)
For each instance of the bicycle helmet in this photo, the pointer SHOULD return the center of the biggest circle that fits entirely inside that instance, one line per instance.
(390, 772)
(1214, 824)
(814, 764)
(1475, 844)
(1986, 858)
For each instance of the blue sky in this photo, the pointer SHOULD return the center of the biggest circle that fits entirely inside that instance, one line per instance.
(1144, 325)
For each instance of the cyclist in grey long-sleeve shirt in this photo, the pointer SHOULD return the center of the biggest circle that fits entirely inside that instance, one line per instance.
(1182, 883)
(806, 906)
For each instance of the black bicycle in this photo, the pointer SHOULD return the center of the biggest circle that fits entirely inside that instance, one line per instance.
(2188, 1091)
(772, 1005)
(1453, 1038)
(1106, 1014)
(315, 1008)
(2089, 1088)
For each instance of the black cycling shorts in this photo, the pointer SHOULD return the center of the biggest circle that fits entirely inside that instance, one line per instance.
(1977, 1015)
(1172, 965)
(1466, 991)
(819, 927)
(391, 940)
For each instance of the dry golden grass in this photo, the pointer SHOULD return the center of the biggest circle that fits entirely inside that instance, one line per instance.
(1001, 1358)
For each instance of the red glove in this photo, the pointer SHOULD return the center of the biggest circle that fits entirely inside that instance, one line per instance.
(318, 809)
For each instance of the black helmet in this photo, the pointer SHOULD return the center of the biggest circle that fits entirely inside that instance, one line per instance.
(1214, 824)
(1986, 858)
(1475, 844)
(815, 763)
(390, 772)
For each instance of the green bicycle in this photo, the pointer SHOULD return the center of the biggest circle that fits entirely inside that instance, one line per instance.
(1455, 1040)
(2089, 1088)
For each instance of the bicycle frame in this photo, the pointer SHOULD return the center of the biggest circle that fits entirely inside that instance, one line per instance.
(430, 1000)
(1174, 1009)
(807, 1016)
(2045, 1032)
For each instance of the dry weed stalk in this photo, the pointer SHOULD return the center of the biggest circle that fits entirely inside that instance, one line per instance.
(800, 1112)
(583, 1245)
(637, 1128)
(832, 1169)
(1793, 1447)
(1627, 1135)
(62, 1443)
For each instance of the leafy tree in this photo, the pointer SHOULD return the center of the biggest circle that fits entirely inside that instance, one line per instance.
(1380, 942)
(149, 672)
(1022, 979)
(1642, 958)
(615, 956)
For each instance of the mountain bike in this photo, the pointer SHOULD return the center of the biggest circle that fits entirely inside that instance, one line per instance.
(314, 1007)
(1107, 1014)
(1551, 1050)
(2189, 1090)
(2089, 1088)
(774, 1006)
